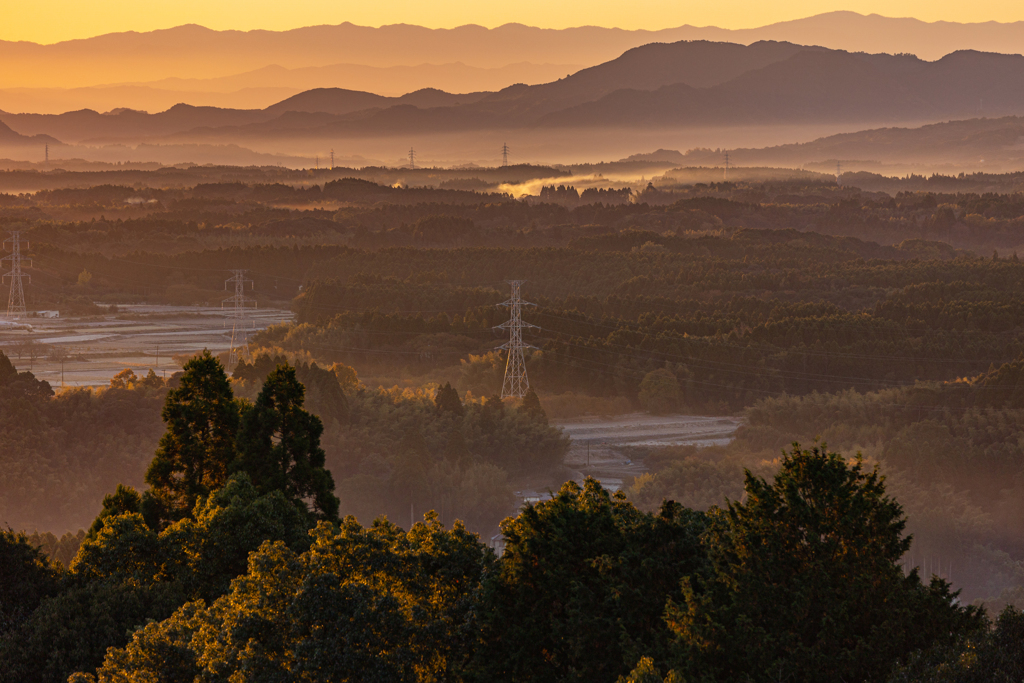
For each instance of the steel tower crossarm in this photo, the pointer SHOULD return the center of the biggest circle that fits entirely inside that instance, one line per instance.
(16, 297)
(239, 305)
(516, 382)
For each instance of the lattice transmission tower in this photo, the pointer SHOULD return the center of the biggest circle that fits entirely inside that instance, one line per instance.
(412, 157)
(240, 304)
(504, 154)
(16, 299)
(516, 383)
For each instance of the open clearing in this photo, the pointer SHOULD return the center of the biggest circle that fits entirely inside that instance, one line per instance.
(139, 337)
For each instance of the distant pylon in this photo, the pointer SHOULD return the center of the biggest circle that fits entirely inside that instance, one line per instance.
(332, 159)
(239, 304)
(516, 383)
(412, 157)
(839, 173)
(16, 299)
(504, 154)
(727, 165)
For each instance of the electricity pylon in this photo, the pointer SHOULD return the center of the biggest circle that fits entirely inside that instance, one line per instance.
(504, 154)
(16, 299)
(727, 165)
(412, 157)
(240, 303)
(516, 383)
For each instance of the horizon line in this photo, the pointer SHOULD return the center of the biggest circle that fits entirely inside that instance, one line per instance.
(512, 24)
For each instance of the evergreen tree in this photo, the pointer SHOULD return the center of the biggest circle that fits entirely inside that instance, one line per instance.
(992, 653)
(531, 406)
(28, 577)
(580, 592)
(447, 400)
(279, 446)
(194, 453)
(806, 579)
(374, 605)
(123, 501)
(491, 413)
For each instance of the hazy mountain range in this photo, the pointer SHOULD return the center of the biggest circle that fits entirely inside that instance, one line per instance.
(235, 69)
(677, 85)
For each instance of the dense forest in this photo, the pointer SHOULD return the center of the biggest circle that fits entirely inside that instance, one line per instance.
(883, 323)
(234, 564)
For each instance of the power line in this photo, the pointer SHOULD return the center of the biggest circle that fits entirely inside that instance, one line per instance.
(240, 302)
(16, 298)
(516, 383)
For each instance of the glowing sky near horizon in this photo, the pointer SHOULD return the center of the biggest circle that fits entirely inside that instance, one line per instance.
(50, 21)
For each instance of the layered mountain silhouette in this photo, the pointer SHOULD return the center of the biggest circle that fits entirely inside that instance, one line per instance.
(976, 144)
(9, 138)
(195, 52)
(676, 85)
(252, 69)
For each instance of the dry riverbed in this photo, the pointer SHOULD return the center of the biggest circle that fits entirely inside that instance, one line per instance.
(139, 337)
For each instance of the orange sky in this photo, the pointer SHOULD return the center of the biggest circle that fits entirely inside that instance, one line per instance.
(50, 21)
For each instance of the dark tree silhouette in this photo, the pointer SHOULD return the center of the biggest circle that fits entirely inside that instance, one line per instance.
(279, 446)
(194, 453)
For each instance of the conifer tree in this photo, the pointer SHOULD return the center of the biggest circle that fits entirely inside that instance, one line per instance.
(447, 400)
(123, 501)
(806, 578)
(531, 406)
(195, 451)
(279, 446)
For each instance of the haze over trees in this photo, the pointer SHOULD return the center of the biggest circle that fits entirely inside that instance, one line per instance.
(698, 298)
(348, 501)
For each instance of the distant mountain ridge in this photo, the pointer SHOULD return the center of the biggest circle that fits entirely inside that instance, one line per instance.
(10, 138)
(676, 85)
(978, 144)
(144, 58)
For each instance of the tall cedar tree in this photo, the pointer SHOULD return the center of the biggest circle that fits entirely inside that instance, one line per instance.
(198, 446)
(447, 400)
(279, 446)
(806, 583)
